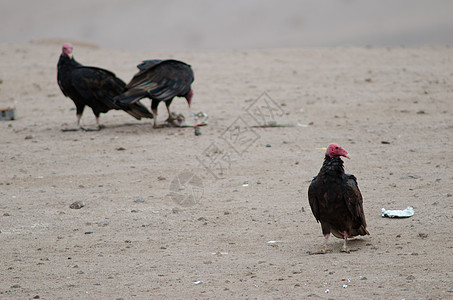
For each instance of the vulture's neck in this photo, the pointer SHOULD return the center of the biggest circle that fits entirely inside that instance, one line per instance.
(332, 166)
(68, 62)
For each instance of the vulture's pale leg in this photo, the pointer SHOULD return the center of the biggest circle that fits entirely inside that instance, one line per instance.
(170, 115)
(324, 246)
(78, 122)
(345, 245)
(155, 117)
(97, 124)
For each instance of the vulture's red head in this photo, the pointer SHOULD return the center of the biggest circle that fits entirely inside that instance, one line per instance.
(67, 50)
(189, 96)
(335, 150)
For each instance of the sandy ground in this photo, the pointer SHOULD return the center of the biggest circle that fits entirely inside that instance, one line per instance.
(172, 215)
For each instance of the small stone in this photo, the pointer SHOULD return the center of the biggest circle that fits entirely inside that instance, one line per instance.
(120, 149)
(423, 235)
(16, 286)
(161, 178)
(413, 176)
(28, 137)
(139, 199)
(410, 277)
(268, 145)
(77, 205)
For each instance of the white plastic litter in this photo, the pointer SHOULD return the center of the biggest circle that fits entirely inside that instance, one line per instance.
(406, 213)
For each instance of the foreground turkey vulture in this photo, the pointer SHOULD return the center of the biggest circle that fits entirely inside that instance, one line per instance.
(335, 199)
(93, 87)
(159, 80)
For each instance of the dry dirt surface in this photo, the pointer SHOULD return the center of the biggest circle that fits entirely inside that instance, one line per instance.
(225, 214)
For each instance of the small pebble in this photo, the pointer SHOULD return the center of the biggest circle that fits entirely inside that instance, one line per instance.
(77, 205)
(139, 199)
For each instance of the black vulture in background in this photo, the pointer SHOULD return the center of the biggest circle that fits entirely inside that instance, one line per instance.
(93, 87)
(336, 201)
(159, 80)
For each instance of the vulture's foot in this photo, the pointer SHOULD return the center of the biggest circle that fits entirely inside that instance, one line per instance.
(322, 251)
(347, 250)
(97, 128)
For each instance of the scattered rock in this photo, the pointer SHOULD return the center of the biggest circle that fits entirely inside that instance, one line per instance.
(77, 205)
(423, 235)
(120, 149)
(139, 199)
(16, 286)
(413, 176)
(410, 277)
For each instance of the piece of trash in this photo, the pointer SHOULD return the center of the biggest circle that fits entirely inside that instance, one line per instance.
(321, 148)
(406, 213)
(219, 253)
(327, 291)
(271, 242)
(245, 184)
(345, 286)
(8, 114)
(198, 282)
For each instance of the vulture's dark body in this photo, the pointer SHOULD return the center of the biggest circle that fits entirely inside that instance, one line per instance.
(93, 87)
(159, 80)
(336, 201)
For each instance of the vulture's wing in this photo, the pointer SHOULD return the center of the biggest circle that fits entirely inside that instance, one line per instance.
(313, 199)
(161, 81)
(353, 199)
(96, 84)
(148, 63)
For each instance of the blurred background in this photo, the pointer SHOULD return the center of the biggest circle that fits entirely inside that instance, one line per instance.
(233, 24)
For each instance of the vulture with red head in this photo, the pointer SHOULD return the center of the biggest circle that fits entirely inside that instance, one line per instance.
(93, 87)
(336, 201)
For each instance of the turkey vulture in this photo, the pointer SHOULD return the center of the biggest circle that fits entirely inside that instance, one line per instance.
(159, 80)
(335, 199)
(94, 87)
